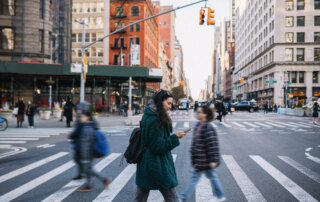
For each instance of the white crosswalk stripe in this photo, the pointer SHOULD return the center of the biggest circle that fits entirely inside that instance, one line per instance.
(286, 124)
(18, 138)
(36, 182)
(226, 125)
(250, 124)
(238, 124)
(66, 190)
(34, 165)
(186, 125)
(214, 125)
(301, 125)
(13, 142)
(273, 124)
(288, 184)
(311, 174)
(309, 124)
(174, 124)
(264, 125)
(250, 191)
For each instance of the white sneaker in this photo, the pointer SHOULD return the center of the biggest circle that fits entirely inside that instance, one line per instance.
(222, 199)
(32, 127)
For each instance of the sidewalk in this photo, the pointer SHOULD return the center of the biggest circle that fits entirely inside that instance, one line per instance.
(104, 120)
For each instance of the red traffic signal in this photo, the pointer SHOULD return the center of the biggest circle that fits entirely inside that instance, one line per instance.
(202, 16)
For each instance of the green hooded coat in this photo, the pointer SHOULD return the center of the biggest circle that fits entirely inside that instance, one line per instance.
(156, 169)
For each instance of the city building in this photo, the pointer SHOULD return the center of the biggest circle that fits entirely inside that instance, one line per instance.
(280, 46)
(167, 70)
(178, 64)
(96, 16)
(216, 70)
(35, 31)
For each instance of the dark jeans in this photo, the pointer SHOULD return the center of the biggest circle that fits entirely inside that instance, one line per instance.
(69, 119)
(31, 120)
(169, 195)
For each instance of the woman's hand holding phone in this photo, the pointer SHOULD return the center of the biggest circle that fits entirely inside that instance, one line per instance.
(182, 134)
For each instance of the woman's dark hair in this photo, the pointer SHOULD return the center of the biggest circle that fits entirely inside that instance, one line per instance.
(158, 98)
(208, 111)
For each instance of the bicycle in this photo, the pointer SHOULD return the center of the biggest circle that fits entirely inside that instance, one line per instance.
(3, 124)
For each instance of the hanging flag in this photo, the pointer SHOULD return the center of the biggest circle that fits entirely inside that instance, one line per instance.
(85, 62)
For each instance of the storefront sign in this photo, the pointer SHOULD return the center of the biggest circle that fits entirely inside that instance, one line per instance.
(76, 68)
(155, 72)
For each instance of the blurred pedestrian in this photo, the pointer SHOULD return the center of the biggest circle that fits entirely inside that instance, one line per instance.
(229, 107)
(265, 106)
(188, 106)
(21, 109)
(68, 111)
(31, 110)
(196, 105)
(83, 139)
(275, 108)
(220, 109)
(156, 169)
(315, 113)
(205, 155)
(63, 103)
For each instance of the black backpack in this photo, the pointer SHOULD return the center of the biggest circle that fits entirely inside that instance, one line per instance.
(135, 151)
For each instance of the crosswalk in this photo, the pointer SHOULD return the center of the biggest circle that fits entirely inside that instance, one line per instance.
(243, 180)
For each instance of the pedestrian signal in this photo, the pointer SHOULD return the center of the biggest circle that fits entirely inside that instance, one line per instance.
(210, 20)
(202, 12)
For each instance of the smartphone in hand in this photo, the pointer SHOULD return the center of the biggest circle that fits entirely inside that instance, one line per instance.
(186, 131)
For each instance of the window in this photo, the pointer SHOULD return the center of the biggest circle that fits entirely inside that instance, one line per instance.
(116, 42)
(300, 54)
(135, 11)
(301, 77)
(300, 37)
(130, 42)
(7, 7)
(317, 37)
(300, 21)
(131, 29)
(115, 59)
(100, 52)
(74, 38)
(138, 27)
(122, 42)
(80, 37)
(289, 54)
(289, 37)
(6, 39)
(93, 36)
(118, 25)
(119, 11)
(316, 4)
(294, 77)
(87, 37)
(137, 40)
(289, 5)
(300, 4)
(289, 21)
(316, 54)
(167, 43)
(317, 20)
(41, 40)
(41, 9)
(93, 52)
(79, 53)
(314, 77)
(74, 53)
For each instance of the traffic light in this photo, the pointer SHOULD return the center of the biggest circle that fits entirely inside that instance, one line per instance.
(181, 83)
(210, 20)
(202, 12)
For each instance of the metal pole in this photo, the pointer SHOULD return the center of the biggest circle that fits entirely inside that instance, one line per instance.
(130, 83)
(82, 66)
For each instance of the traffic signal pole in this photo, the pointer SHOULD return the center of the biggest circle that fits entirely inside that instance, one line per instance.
(116, 31)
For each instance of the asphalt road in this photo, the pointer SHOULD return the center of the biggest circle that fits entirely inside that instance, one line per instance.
(264, 158)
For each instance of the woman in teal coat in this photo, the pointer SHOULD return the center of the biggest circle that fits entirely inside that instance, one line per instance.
(156, 169)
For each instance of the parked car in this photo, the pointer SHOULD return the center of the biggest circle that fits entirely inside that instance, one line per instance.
(246, 106)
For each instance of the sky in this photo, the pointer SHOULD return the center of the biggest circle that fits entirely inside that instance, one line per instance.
(197, 40)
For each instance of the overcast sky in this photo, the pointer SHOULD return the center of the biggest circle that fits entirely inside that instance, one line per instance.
(196, 40)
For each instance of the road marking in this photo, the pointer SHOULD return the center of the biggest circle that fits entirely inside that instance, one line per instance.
(226, 125)
(155, 196)
(34, 165)
(16, 150)
(25, 136)
(312, 158)
(186, 125)
(36, 182)
(297, 124)
(237, 124)
(46, 145)
(16, 138)
(250, 124)
(261, 124)
(13, 142)
(286, 124)
(288, 184)
(249, 190)
(273, 124)
(214, 125)
(117, 184)
(69, 188)
(311, 174)
(174, 124)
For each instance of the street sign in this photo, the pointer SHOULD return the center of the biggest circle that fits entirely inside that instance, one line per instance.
(270, 81)
(288, 83)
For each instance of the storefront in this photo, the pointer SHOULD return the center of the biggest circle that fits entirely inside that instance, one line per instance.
(296, 95)
(315, 93)
(106, 86)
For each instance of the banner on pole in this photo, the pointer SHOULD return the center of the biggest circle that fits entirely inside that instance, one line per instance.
(135, 50)
(76, 68)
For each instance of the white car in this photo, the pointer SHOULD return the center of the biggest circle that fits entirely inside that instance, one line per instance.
(310, 104)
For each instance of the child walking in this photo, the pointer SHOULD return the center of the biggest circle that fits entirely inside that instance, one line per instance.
(205, 155)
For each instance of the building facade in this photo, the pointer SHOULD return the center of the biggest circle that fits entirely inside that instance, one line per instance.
(278, 51)
(178, 64)
(167, 70)
(96, 16)
(31, 31)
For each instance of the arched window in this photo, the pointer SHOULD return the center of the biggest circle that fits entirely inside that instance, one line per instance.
(135, 11)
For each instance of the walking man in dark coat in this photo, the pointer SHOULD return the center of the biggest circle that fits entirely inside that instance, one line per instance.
(68, 111)
(21, 109)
